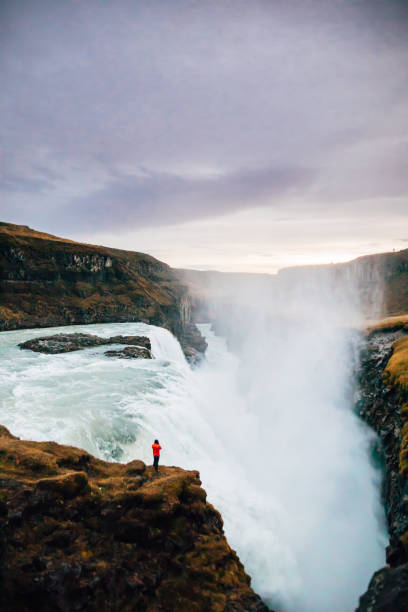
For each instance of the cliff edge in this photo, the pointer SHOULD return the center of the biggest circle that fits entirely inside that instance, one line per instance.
(383, 404)
(46, 281)
(78, 533)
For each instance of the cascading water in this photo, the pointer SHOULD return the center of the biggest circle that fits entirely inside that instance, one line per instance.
(271, 431)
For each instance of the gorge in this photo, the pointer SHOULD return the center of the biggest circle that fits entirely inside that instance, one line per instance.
(268, 418)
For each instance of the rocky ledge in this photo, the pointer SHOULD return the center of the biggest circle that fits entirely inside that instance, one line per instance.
(140, 346)
(78, 533)
(383, 404)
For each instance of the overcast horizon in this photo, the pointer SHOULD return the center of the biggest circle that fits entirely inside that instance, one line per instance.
(233, 136)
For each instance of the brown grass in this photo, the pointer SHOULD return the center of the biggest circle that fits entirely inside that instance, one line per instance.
(396, 371)
(396, 376)
(403, 454)
(388, 324)
(23, 230)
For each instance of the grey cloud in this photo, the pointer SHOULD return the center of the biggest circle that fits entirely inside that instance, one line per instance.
(96, 91)
(378, 171)
(16, 183)
(159, 199)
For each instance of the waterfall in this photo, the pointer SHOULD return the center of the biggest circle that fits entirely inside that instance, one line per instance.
(165, 345)
(269, 426)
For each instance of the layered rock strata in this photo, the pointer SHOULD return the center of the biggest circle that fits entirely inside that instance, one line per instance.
(78, 533)
(46, 281)
(383, 404)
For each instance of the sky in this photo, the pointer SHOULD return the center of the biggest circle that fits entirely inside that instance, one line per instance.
(230, 134)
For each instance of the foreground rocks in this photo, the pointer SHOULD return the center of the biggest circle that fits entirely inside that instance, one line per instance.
(78, 533)
(383, 404)
(66, 343)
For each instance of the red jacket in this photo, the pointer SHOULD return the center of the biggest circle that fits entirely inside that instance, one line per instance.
(156, 450)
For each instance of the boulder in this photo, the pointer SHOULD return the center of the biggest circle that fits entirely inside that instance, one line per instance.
(131, 352)
(62, 343)
(65, 343)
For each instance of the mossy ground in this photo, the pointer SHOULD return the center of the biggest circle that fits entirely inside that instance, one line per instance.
(395, 377)
(79, 533)
(47, 281)
(389, 324)
(396, 371)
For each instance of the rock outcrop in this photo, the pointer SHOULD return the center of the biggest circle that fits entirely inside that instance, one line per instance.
(78, 533)
(383, 404)
(130, 352)
(66, 343)
(46, 281)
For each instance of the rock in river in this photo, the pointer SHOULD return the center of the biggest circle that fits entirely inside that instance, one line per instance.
(131, 352)
(65, 343)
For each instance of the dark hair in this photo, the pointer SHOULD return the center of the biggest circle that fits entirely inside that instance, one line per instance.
(156, 441)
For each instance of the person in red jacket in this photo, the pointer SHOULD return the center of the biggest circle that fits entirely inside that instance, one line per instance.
(156, 454)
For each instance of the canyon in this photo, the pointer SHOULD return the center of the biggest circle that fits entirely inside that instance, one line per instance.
(47, 281)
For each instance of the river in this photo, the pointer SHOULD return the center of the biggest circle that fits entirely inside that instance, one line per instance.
(271, 430)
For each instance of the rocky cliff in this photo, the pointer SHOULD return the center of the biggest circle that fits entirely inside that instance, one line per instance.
(78, 533)
(379, 280)
(383, 404)
(47, 281)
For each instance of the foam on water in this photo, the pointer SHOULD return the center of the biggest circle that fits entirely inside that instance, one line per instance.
(285, 463)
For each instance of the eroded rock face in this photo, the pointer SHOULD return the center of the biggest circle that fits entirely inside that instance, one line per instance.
(48, 281)
(65, 343)
(78, 533)
(381, 405)
(387, 591)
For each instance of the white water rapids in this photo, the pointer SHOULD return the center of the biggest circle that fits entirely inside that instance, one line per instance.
(273, 435)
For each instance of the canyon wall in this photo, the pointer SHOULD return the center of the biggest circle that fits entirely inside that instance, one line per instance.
(383, 403)
(379, 281)
(47, 281)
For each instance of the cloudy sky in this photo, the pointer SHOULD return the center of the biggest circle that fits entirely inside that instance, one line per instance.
(228, 134)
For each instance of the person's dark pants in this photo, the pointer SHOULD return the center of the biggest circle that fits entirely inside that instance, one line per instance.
(156, 463)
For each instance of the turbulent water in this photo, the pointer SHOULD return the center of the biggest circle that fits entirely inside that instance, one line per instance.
(272, 432)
